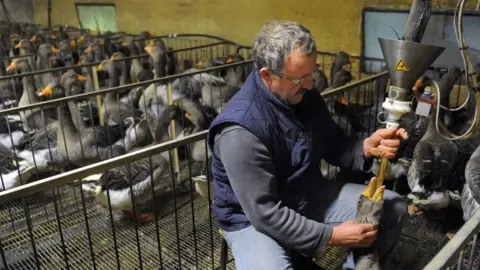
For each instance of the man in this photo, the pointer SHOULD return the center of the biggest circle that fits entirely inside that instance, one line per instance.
(269, 196)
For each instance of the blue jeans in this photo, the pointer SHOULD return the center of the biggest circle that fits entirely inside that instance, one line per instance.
(337, 203)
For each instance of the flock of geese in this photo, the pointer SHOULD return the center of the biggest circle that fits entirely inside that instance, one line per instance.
(68, 135)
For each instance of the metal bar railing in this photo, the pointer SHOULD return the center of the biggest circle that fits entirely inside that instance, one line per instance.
(342, 89)
(446, 256)
(165, 79)
(98, 63)
(73, 175)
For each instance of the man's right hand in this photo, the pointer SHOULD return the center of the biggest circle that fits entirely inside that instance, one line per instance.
(353, 234)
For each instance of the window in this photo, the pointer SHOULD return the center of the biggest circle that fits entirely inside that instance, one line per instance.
(381, 22)
(94, 16)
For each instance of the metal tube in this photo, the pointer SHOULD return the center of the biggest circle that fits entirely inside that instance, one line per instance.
(96, 85)
(73, 175)
(172, 132)
(91, 64)
(177, 232)
(118, 88)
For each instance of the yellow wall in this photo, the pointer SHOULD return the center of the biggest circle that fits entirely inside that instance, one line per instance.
(335, 24)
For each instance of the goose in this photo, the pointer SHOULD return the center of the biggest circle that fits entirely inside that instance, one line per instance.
(137, 134)
(194, 114)
(235, 76)
(433, 158)
(113, 110)
(26, 48)
(45, 51)
(42, 149)
(215, 91)
(80, 144)
(159, 62)
(13, 172)
(32, 119)
(136, 66)
(116, 182)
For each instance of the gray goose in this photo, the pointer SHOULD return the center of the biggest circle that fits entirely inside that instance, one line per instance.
(115, 111)
(32, 119)
(137, 174)
(80, 144)
(433, 158)
(136, 66)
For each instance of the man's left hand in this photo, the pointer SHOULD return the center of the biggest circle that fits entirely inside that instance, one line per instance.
(384, 142)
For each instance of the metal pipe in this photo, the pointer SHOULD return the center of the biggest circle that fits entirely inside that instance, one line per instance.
(341, 89)
(96, 85)
(99, 167)
(118, 88)
(95, 63)
(176, 165)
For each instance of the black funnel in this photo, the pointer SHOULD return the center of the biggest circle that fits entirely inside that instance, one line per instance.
(407, 61)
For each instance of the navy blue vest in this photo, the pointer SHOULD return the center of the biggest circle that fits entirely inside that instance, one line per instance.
(287, 132)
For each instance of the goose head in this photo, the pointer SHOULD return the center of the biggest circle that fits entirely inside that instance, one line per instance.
(20, 64)
(67, 81)
(157, 53)
(163, 122)
(343, 58)
(24, 44)
(46, 50)
(192, 112)
(370, 204)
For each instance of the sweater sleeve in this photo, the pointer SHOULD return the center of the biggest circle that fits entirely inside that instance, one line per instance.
(251, 172)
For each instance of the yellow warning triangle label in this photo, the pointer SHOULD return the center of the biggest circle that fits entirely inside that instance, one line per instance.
(401, 66)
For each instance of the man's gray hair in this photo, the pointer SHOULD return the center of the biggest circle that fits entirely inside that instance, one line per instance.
(277, 40)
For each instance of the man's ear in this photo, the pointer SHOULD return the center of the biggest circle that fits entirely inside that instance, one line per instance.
(266, 75)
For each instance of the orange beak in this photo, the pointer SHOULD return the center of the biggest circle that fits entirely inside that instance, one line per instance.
(351, 59)
(342, 100)
(34, 38)
(124, 44)
(200, 64)
(81, 39)
(55, 50)
(100, 67)
(47, 91)
(53, 36)
(148, 49)
(73, 43)
(12, 66)
(81, 78)
(88, 49)
(229, 60)
(19, 44)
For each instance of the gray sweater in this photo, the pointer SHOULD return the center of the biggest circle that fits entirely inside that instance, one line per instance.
(251, 172)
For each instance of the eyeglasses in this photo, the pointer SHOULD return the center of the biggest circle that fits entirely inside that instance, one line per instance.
(298, 82)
